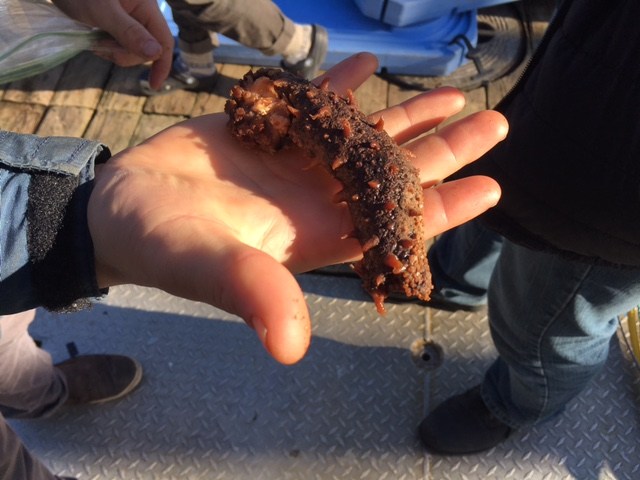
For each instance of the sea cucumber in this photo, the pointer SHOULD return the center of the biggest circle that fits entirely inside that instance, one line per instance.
(271, 110)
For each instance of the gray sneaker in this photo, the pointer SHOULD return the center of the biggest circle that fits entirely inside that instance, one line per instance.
(308, 68)
(180, 78)
(93, 379)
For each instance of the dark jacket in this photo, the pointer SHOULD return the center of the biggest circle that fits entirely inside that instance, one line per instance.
(570, 166)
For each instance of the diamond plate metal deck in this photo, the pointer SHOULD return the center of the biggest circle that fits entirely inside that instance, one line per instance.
(213, 405)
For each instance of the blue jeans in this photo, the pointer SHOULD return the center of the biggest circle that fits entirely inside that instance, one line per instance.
(551, 319)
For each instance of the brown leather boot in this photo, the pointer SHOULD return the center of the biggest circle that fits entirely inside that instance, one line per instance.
(93, 379)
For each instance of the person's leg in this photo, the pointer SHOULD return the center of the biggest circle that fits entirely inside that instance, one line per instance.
(15, 460)
(185, 15)
(29, 384)
(258, 24)
(195, 45)
(551, 321)
(193, 66)
(462, 261)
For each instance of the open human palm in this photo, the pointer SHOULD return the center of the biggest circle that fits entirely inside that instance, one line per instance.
(193, 212)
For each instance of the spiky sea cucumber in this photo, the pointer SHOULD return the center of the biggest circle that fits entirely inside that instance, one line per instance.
(271, 109)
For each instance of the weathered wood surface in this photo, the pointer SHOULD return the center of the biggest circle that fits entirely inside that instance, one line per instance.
(214, 102)
(372, 96)
(61, 120)
(37, 90)
(114, 128)
(82, 81)
(20, 117)
(122, 91)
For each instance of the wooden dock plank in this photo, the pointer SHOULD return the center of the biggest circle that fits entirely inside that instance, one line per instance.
(114, 128)
(372, 95)
(206, 103)
(214, 102)
(65, 121)
(82, 81)
(179, 102)
(398, 94)
(20, 117)
(38, 89)
(122, 91)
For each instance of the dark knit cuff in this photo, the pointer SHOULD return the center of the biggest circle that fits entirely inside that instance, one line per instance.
(59, 243)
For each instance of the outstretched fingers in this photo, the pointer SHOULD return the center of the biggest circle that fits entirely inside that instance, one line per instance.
(453, 146)
(420, 113)
(449, 149)
(454, 203)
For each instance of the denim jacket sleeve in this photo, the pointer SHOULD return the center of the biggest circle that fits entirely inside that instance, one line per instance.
(46, 253)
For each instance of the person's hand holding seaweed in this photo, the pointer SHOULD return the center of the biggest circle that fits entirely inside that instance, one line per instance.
(139, 30)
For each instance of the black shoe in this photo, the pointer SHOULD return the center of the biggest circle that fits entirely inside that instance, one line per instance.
(436, 301)
(95, 379)
(180, 78)
(308, 68)
(462, 424)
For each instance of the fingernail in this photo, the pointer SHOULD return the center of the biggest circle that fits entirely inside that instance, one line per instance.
(260, 329)
(151, 48)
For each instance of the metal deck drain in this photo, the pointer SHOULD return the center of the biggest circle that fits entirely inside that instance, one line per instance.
(427, 354)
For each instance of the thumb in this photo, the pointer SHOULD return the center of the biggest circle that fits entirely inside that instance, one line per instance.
(267, 296)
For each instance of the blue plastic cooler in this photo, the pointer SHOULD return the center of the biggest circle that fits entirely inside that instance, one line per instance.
(400, 13)
(435, 44)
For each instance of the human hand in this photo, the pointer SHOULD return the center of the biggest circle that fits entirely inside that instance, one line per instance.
(194, 213)
(140, 32)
